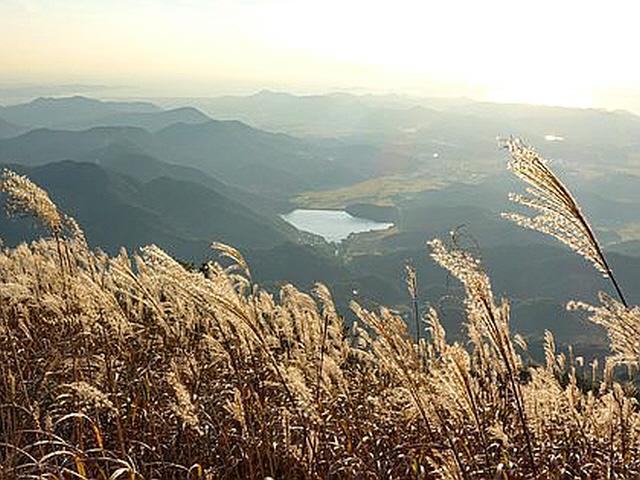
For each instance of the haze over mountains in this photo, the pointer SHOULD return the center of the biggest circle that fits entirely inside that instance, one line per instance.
(182, 173)
(345, 114)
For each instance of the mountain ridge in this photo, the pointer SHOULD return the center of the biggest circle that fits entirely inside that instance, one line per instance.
(117, 210)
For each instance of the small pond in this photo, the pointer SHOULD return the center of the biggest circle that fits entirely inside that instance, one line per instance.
(332, 225)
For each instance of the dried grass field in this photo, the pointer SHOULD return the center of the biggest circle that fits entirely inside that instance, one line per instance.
(134, 367)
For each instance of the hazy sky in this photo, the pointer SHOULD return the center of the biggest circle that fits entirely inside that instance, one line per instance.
(545, 51)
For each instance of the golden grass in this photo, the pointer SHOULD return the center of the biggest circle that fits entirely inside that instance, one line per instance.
(132, 367)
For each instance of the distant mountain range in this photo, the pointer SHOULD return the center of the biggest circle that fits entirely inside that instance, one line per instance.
(230, 151)
(81, 113)
(343, 114)
(79, 129)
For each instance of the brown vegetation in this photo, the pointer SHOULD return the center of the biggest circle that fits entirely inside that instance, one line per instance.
(133, 367)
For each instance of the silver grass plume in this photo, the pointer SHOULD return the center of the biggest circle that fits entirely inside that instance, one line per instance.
(230, 252)
(489, 318)
(558, 214)
(25, 197)
(622, 325)
(412, 288)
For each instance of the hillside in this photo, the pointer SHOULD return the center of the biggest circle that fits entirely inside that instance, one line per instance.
(252, 158)
(8, 129)
(183, 217)
(131, 161)
(229, 151)
(41, 146)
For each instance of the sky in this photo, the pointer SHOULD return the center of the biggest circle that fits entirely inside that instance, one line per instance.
(560, 52)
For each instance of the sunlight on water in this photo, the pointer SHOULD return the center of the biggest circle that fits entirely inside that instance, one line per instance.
(332, 225)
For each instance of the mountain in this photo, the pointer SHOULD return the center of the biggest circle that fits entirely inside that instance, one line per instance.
(332, 115)
(151, 121)
(8, 129)
(252, 158)
(114, 209)
(336, 115)
(81, 113)
(127, 160)
(231, 151)
(64, 111)
(42, 146)
(467, 127)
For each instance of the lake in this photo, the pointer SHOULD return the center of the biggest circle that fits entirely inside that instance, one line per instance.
(332, 225)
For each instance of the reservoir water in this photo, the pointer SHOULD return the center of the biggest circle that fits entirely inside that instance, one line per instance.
(332, 225)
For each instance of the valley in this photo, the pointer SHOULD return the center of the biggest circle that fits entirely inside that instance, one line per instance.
(174, 174)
